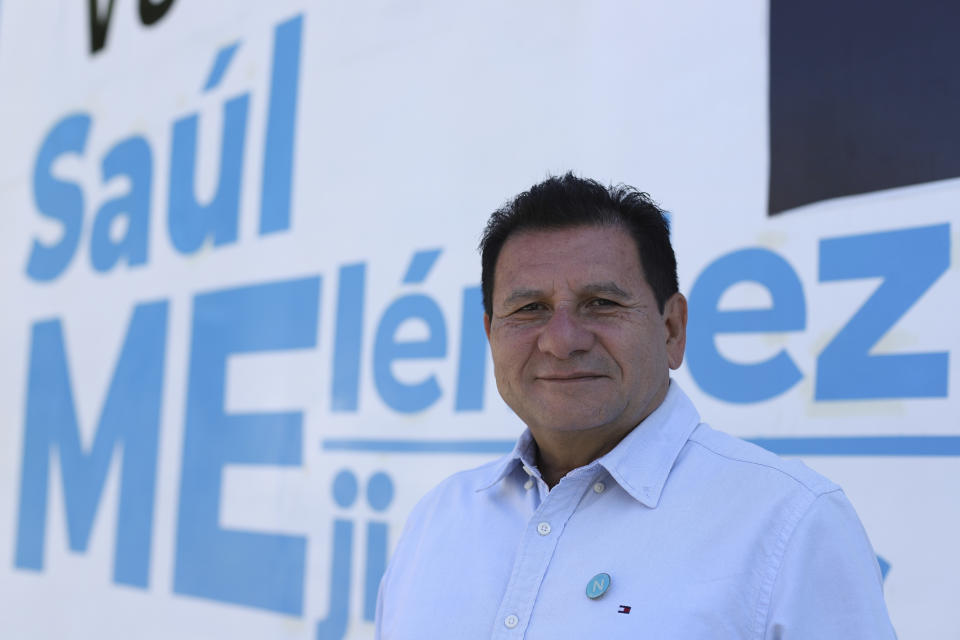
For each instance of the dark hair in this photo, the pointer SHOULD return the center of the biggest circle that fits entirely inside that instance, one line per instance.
(570, 201)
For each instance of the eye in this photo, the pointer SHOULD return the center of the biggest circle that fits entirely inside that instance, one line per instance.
(602, 302)
(533, 306)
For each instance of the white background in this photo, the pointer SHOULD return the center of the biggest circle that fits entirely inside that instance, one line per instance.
(415, 120)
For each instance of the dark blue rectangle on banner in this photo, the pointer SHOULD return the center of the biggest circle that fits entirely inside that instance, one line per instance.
(864, 96)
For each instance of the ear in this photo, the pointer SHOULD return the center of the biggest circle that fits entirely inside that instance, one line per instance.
(675, 322)
(486, 325)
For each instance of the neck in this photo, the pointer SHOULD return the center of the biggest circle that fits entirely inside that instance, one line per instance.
(560, 453)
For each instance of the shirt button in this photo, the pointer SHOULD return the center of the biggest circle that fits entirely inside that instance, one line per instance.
(598, 487)
(511, 621)
(528, 484)
(543, 528)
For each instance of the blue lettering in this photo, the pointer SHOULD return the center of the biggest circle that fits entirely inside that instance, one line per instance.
(130, 158)
(884, 567)
(379, 497)
(281, 120)
(334, 625)
(349, 338)
(473, 353)
(220, 65)
(58, 199)
(910, 261)
(189, 222)
(731, 381)
(253, 569)
(130, 416)
(400, 396)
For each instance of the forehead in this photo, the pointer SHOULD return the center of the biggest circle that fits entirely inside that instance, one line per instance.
(574, 254)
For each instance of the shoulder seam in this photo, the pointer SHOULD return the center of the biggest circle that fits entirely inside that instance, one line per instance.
(828, 487)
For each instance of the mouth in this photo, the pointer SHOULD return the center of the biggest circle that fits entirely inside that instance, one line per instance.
(571, 378)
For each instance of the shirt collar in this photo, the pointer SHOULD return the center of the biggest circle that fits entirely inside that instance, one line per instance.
(524, 454)
(644, 458)
(640, 463)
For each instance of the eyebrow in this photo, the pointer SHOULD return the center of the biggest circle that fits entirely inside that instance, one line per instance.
(609, 288)
(606, 288)
(522, 294)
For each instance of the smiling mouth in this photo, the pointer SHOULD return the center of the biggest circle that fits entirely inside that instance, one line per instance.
(580, 377)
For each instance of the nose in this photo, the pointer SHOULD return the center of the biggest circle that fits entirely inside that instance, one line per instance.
(564, 335)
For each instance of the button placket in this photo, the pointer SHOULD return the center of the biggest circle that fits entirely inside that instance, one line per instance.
(535, 553)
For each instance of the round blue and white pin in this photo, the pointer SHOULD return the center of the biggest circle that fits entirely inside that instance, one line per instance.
(598, 585)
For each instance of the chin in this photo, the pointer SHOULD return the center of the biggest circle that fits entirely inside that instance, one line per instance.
(570, 420)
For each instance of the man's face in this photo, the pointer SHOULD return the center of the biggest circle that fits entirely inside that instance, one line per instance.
(577, 339)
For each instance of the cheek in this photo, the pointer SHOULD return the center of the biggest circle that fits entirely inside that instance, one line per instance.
(650, 363)
(637, 358)
(509, 356)
(508, 343)
(506, 375)
(505, 361)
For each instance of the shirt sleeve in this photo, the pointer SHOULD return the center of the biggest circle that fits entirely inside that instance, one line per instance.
(378, 619)
(379, 632)
(829, 584)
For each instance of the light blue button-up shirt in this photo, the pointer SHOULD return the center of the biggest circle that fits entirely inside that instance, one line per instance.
(703, 536)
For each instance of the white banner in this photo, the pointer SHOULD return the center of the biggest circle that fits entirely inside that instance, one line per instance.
(242, 331)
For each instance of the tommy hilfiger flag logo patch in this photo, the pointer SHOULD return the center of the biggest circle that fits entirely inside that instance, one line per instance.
(623, 609)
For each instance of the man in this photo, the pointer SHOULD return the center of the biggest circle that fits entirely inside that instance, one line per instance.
(618, 514)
